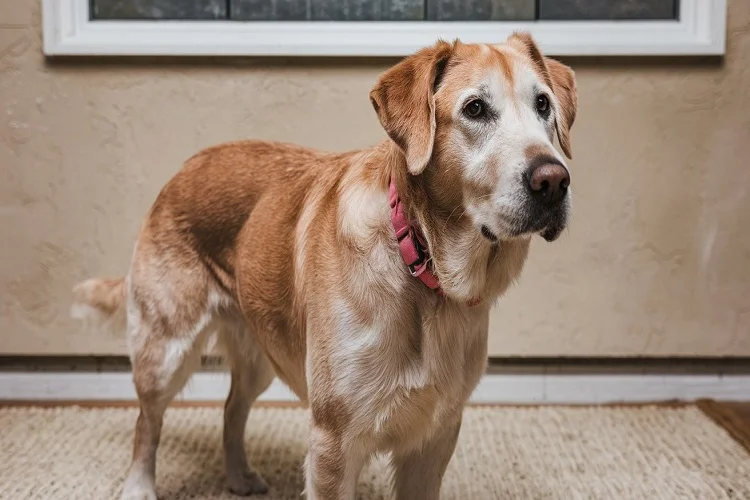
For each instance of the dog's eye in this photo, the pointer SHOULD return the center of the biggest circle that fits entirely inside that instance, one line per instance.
(475, 108)
(542, 103)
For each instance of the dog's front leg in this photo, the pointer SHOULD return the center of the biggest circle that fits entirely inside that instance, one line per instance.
(419, 473)
(332, 465)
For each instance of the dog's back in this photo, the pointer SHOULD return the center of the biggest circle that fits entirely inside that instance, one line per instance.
(238, 197)
(199, 214)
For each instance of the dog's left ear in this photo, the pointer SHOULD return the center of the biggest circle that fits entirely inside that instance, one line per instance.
(561, 80)
(404, 99)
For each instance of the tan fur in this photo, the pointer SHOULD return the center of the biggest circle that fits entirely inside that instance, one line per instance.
(287, 255)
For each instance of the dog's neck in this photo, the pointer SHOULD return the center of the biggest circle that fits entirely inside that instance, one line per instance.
(467, 264)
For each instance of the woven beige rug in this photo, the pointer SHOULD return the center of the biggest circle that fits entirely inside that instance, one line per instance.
(651, 452)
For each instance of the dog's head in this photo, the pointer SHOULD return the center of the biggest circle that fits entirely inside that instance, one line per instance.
(478, 122)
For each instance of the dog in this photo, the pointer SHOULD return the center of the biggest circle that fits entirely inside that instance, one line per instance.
(364, 279)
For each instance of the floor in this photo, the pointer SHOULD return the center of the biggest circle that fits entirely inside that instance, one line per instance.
(742, 410)
(629, 452)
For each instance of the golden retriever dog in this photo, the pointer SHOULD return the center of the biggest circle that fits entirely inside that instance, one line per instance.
(363, 280)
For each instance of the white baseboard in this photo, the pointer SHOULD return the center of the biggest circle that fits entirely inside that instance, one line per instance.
(494, 388)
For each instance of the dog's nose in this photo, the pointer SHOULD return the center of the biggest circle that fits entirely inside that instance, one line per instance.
(549, 182)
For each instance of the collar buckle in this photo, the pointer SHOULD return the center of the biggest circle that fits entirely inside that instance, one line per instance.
(416, 268)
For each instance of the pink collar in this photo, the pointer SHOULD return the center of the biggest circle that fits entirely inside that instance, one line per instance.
(413, 247)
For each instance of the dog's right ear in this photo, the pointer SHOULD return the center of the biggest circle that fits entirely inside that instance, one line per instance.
(404, 99)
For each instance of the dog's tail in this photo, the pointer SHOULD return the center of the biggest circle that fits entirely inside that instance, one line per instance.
(100, 302)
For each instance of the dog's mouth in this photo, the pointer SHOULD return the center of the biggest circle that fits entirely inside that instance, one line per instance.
(524, 223)
(548, 225)
(552, 227)
(551, 233)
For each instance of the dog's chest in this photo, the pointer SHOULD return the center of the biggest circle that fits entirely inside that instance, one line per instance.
(402, 385)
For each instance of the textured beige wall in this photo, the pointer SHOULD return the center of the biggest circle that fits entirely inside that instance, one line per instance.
(656, 262)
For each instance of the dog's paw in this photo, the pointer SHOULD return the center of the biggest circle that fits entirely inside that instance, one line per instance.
(138, 494)
(138, 487)
(247, 483)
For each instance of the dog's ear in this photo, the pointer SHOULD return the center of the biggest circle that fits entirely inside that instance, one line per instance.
(561, 80)
(404, 99)
(564, 87)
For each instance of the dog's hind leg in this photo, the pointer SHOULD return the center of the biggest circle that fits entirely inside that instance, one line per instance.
(252, 373)
(163, 358)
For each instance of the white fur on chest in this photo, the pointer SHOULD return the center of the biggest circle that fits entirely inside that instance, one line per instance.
(399, 383)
